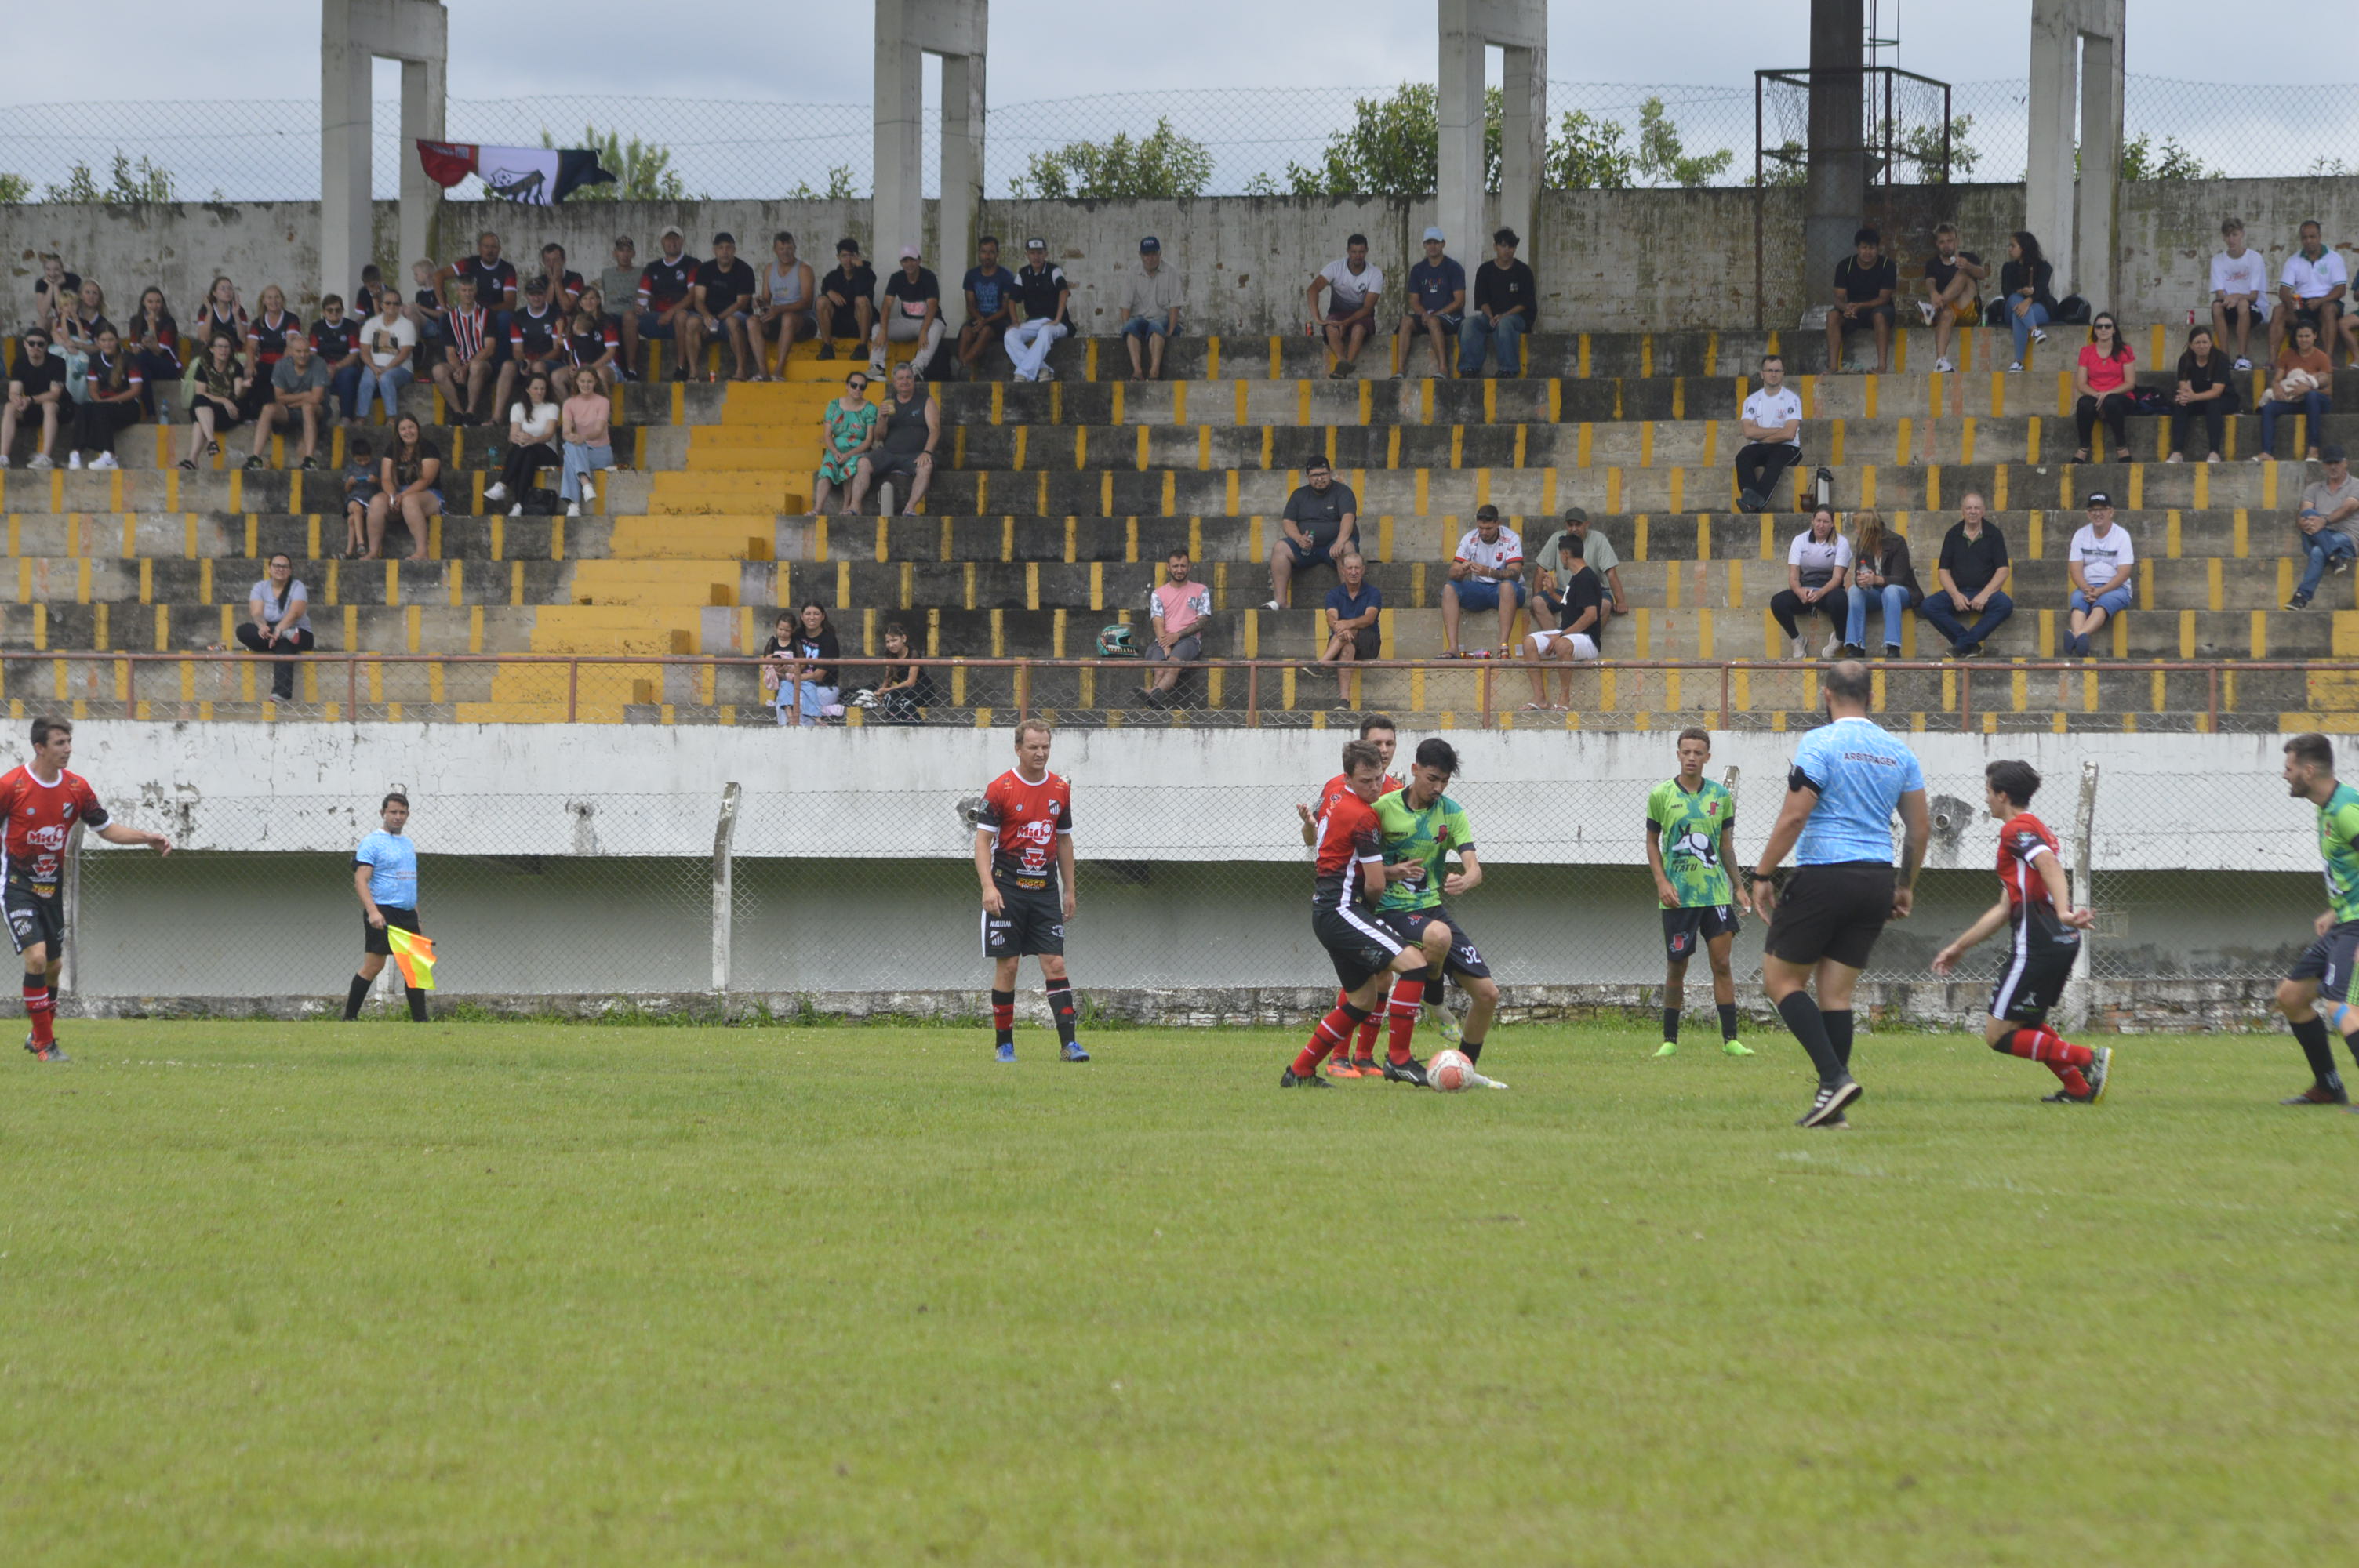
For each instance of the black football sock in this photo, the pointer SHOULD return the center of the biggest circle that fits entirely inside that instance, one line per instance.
(1473, 1049)
(1002, 1016)
(1839, 1036)
(1671, 1025)
(1728, 1021)
(417, 1003)
(1434, 981)
(1808, 1024)
(2315, 1044)
(1060, 1007)
(356, 995)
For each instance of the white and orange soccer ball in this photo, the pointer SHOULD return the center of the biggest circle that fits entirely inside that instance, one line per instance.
(1450, 1072)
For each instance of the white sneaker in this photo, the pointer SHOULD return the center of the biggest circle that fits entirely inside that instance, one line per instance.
(73, 460)
(2243, 363)
(1943, 365)
(589, 490)
(495, 492)
(1833, 646)
(573, 509)
(2038, 336)
(104, 460)
(40, 460)
(517, 510)
(1271, 604)
(1799, 651)
(1044, 374)
(1925, 308)
(2015, 369)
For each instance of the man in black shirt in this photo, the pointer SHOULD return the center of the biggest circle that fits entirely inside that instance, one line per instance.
(1506, 303)
(36, 381)
(1322, 521)
(1045, 297)
(1974, 574)
(1866, 282)
(666, 288)
(847, 299)
(495, 278)
(724, 299)
(912, 314)
(536, 342)
(336, 340)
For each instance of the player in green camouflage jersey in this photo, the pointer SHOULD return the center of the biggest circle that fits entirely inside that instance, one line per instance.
(2324, 968)
(1422, 828)
(1691, 839)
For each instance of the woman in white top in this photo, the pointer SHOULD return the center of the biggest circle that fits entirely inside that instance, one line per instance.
(387, 341)
(2099, 563)
(782, 309)
(532, 424)
(281, 625)
(1818, 571)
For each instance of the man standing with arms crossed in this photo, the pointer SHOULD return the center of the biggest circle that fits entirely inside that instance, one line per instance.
(1024, 858)
(1848, 778)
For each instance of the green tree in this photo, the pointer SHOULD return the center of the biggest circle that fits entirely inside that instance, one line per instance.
(642, 170)
(2141, 159)
(1163, 165)
(838, 187)
(129, 184)
(1394, 147)
(1587, 154)
(1921, 146)
(15, 187)
(1665, 160)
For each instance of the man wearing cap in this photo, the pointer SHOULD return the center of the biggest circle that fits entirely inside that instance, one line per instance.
(1353, 286)
(2099, 564)
(725, 288)
(667, 306)
(912, 314)
(990, 305)
(847, 299)
(1580, 540)
(2328, 524)
(1045, 299)
(1150, 310)
(1506, 305)
(1437, 305)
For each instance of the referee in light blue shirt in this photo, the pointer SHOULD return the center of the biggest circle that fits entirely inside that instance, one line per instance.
(385, 874)
(1849, 777)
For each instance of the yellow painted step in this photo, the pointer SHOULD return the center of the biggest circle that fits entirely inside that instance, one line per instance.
(698, 538)
(730, 491)
(726, 448)
(789, 402)
(615, 629)
(655, 584)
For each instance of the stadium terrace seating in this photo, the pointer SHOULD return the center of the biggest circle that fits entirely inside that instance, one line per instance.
(1056, 503)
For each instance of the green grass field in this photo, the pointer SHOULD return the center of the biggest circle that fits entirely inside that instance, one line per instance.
(480, 1294)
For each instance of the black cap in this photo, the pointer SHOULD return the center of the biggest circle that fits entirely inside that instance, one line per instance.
(724, 238)
(2329, 453)
(2098, 498)
(1149, 243)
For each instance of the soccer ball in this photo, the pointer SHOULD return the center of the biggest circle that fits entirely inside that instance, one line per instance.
(1450, 1072)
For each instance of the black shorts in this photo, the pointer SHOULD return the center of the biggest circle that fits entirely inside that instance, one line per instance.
(374, 938)
(1315, 554)
(2327, 960)
(34, 920)
(1361, 945)
(2032, 975)
(1862, 322)
(1465, 957)
(1685, 930)
(1832, 912)
(1031, 921)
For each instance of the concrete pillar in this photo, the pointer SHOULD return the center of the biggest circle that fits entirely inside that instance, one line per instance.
(2076, 55)
(908, 31)
(352, 34)
(1468, 30)
(1836, 190)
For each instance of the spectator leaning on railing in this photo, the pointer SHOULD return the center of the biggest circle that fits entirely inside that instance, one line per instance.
(2327, 527)
(851, 431)
(1046, 300)
(1975, 571)
(1179, 608)
(1818, 578)
(2099, 564)
(1506, 306)
(37, 391)
(1353, 286)
(2240, 292)
(2313, 288)
(2207, 388)
(2303, 376)
(1150, 310)
(2101, 378)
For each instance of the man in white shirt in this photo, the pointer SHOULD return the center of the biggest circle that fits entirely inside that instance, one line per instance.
(2099, 564)
(1773, 439)
(2312, 288)
(1353, 286)
(1487, 573)
(2240, 291)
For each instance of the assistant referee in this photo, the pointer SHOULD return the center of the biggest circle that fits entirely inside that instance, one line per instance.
(1848, 777)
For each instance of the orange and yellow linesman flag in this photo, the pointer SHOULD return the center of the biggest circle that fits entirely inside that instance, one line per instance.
(414, 954)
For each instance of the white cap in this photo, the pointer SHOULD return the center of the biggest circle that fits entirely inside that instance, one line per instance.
(1433, 234)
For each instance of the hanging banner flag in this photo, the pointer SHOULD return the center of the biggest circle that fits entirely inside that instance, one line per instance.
(414, 955)
(535, 177)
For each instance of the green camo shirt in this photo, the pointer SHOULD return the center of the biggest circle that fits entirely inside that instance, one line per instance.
(2338, 844)
(1424, 837)
(1691, 825)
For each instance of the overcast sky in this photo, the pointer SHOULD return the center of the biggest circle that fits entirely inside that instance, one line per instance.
(1053, 49)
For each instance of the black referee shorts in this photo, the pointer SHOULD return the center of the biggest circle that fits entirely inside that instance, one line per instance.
(1832, 912)
(374, 938)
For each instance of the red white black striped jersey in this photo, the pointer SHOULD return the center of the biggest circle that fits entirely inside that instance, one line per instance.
(1349, 839)
(113, 379)
(39, 816)
(2021, 842)
(467, 328)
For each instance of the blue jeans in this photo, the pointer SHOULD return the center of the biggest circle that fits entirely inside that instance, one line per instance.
(1938, 610)
(2035, 317)
(1476, 338)
(2322, 547)
(1145, 326)
(2315, 404)
(1897, 602)
(2113, 601)
(386, 384)
(344, 385)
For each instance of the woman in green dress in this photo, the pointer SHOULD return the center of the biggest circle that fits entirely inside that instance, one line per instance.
(851, 430)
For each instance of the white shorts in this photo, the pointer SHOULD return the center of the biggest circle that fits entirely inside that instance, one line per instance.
(1584, 646)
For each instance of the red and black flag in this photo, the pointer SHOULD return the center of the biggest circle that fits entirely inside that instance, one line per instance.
(536, 176)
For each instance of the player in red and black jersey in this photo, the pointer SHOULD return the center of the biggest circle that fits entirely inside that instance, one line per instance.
(493, 275)
(39, 803)
(1351, 869)
(1378, 730)
(2036, 906)
(536, 342)
(1024, 858)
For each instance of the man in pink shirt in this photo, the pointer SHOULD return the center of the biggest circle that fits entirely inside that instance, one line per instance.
(1180, 608)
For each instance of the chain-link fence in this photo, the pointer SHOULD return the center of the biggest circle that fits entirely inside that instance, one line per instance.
(1239, 140)
(844, 883)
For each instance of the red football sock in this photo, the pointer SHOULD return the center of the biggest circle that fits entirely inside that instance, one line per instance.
(2040, 1043)
(1407, 999)
(2074, 1083)
(38, 1012)
(1363, 1049)
(1333, 1032)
